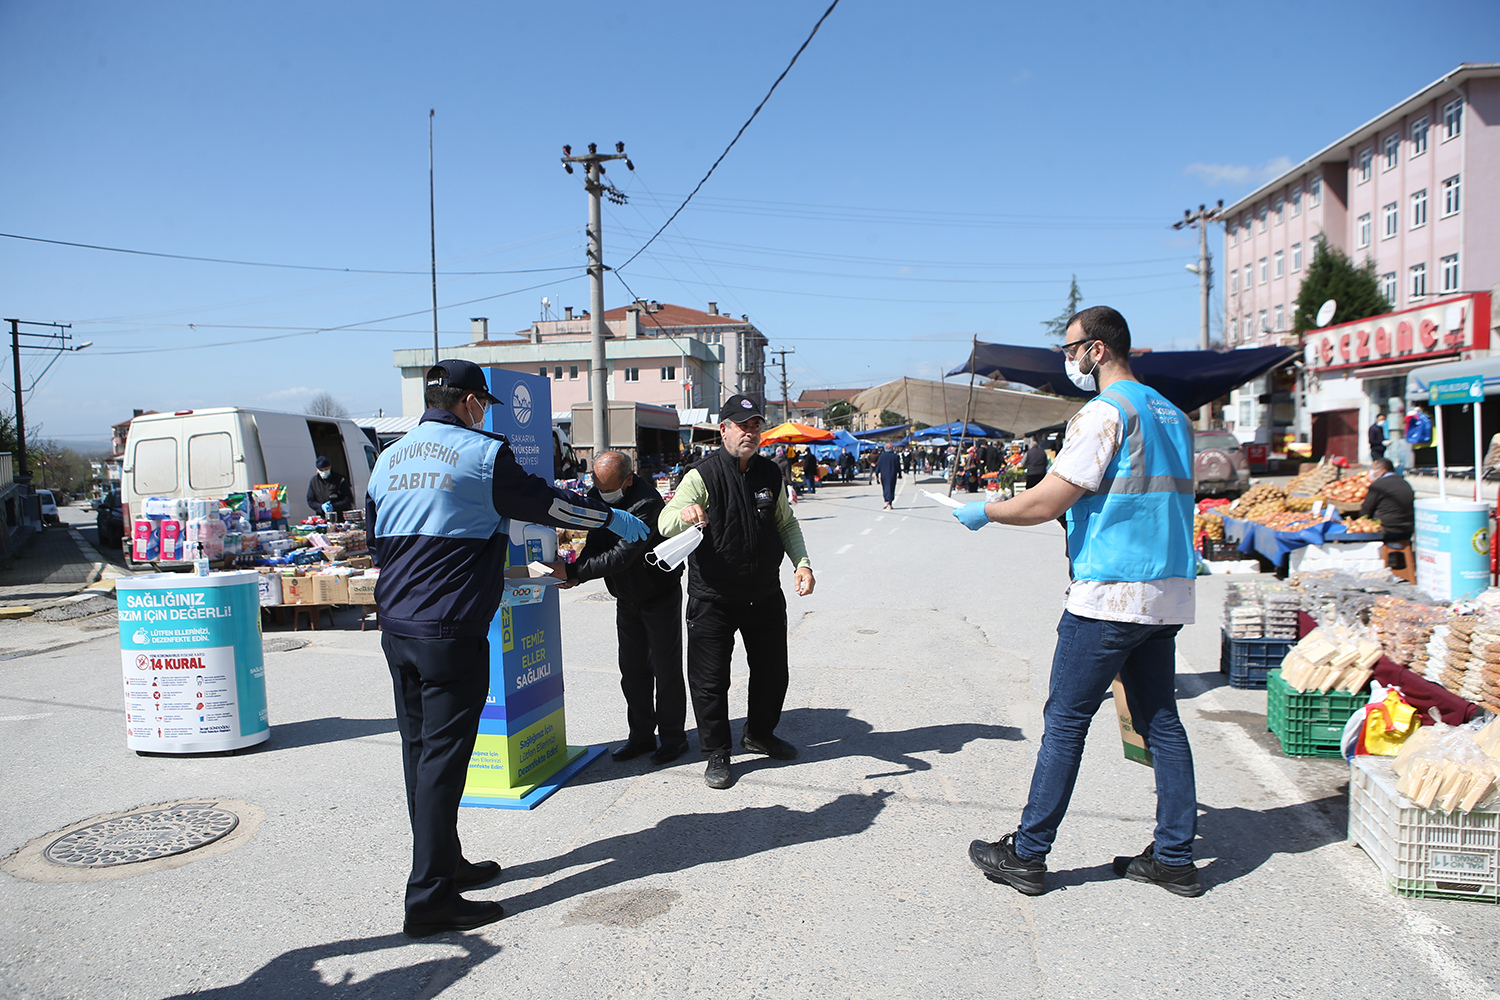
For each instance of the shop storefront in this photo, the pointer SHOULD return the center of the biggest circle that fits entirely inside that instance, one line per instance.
(1357, 371)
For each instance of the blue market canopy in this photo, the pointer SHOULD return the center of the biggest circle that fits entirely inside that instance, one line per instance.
(1189, 379)
(958, 429)
(842, 441)
(894, 431)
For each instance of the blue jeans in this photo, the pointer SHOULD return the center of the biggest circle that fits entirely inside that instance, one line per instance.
(1089, 654)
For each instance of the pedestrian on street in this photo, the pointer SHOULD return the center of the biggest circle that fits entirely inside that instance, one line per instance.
(1035, 463)
(1125, 478)
(734, 585)
(888, 467)
(809, 471)
(329, 492)
(648, 614)
(1377, 437)
(434, 520)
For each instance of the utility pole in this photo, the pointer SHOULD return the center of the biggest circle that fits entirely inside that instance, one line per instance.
(1204, 270)
(593, 164)
(16, 346)
(785, 403)
(432, 226)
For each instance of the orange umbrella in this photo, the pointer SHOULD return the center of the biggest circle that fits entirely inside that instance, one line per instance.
(792, 432)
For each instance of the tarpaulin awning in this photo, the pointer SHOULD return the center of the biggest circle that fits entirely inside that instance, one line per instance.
(958, 429)
(1189, 379)
(944, 402)
(792, 432)
(842, 441)
(895, 430)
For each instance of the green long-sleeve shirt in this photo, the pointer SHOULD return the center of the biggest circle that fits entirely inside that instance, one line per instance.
(693, 490)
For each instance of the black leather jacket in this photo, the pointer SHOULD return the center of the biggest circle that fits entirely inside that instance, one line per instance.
(622, 564)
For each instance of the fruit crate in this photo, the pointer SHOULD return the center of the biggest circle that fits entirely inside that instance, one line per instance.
(1309, 724)
(1249, 661)
(1422, 852)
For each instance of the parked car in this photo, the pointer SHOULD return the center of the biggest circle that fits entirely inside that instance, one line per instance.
(110, 521)
(49, 506)
(1220, 465)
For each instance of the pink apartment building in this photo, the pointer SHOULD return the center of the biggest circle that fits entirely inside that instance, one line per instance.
(1417, 190)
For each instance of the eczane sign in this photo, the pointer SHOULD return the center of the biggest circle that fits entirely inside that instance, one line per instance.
(1446, 328)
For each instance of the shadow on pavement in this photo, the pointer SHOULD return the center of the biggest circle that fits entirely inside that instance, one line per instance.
(688, 840)
(829, 733)
(295, 973)
(1240, 840)
(311, 732)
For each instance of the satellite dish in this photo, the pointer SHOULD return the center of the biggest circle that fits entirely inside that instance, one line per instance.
(1326, 311)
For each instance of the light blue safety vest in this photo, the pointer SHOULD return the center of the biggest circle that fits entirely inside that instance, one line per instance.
(1139, 524)
(437, 481)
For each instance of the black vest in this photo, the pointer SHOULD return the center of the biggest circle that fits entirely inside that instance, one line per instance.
(739, 560)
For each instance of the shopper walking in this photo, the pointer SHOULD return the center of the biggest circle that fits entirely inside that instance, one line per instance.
(1125, 478)
(734, 585)
(434, 522)
(888, 468)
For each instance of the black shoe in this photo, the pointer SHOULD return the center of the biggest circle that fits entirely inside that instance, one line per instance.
(717, 775)
(771, 746)
(1179, 879)
(632, 750)
(669, 752)
(1000, 863)
(463, 915)
(472, 874)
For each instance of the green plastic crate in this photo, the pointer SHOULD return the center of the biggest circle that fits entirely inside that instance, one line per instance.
(1311, 724)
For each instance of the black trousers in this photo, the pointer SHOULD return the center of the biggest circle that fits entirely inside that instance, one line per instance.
(1032, 478)
(711, 626)
(441, 686)
(651, 668)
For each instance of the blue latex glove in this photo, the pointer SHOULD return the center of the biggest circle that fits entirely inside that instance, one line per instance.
(628, 526)
(972, 515)
(328, 507)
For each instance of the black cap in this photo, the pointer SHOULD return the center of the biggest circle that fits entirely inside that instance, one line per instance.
(323, 462)
(465, 375)
(740, 408)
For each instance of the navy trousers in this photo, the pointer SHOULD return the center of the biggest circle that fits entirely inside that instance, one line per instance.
(440, 686)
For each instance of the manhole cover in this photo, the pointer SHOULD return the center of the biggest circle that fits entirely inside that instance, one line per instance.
(142, 836)
(283, 645)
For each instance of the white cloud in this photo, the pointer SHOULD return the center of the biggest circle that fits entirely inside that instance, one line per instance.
(294, 392)
(1214, 174)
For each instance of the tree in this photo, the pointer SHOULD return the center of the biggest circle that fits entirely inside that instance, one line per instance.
(839, 413)
(890, 418)
(1057, 326)
(1332, 275)
(324, 405)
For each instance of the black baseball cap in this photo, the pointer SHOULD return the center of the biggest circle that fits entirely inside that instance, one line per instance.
(740, 408)
(465, 375)
(323, 463)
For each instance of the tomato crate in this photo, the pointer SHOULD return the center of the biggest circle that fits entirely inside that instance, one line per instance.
(1309, 724)
(1422, 852)
(1248, 661)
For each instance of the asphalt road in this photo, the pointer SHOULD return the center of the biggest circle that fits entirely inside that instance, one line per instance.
(919, 667)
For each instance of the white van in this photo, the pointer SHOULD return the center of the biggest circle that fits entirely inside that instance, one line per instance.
(212, 453)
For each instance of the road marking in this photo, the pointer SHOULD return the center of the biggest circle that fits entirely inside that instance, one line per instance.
(844, 549)
(867, 531)
(880, 517)
(24, 718)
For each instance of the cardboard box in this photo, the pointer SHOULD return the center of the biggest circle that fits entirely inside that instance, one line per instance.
(297, 590)
(269, 585)
(362, 589)
(329, 589)
(1134, 743)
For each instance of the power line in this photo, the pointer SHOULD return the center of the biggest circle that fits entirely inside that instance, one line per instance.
(737, 135)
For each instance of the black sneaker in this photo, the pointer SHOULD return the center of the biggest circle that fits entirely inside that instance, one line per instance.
(1000, 863)
(1179, 879)
(717, 775)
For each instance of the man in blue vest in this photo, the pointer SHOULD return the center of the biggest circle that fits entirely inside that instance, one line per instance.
(436, 520)
(1124, 477)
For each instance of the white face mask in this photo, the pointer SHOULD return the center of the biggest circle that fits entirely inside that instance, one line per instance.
(478, 424)
(324, 473)
(612, 496)
(1084, 380)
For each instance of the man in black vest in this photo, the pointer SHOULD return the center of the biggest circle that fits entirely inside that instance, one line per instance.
(735, 585)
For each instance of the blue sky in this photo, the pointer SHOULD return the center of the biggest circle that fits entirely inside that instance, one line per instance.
(925, 174)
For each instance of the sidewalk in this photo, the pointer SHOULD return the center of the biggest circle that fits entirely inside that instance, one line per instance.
(51, 565)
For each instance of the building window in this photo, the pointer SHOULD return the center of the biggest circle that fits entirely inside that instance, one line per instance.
(1449, 269)
(572, 373)
(1419, 209)
(1234, 330)
(1264, 324)
(1419, 281)
(632, 374)
(1419, 136)
(1262, 270)
(1453, 119)
(669, 373)
(1278, 207)
(1260, 218)
(542, 371)
(1315, 191)
(1296, 257)
(1366, 161)
(1450, 197)
(1388, 287)
(557, 374)
(1234, 234)
(1234, 282)
(1247, 412)
(1248, 281)
(1392, 150)
(1390, 221)
(1246, 226)
(1280, 318)
(1280, 268)
(1296, 200)
(1364, 230)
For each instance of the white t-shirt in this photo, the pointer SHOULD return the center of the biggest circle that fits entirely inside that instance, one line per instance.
(1095, 433)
